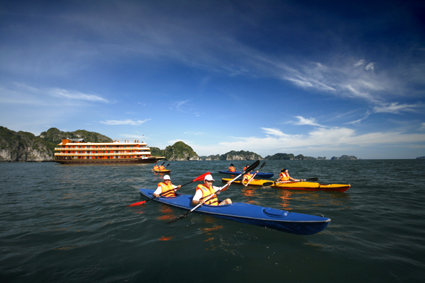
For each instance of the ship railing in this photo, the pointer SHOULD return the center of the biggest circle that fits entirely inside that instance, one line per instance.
(101, 154)
(102, 148)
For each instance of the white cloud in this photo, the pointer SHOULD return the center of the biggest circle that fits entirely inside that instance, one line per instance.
(25, 94)
(359, 120)
(305, 121)
(124, 122)
(370, 66)
(275, 132)
(394, 108)
(359, 63)
(72, 94)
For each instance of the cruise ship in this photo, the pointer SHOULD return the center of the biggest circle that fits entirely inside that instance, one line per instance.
(78, 151)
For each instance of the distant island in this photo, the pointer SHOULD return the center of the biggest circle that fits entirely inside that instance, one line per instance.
(422, 157)
(26, 147)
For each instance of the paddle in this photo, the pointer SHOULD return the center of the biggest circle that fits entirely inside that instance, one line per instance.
(254, 165)
(199, 178)
(264, 163)
(307, 180)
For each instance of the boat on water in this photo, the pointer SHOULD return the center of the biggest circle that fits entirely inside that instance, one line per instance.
(259, 174)
(291, 222)
(78, 151)
(161, 171)
(302, 186)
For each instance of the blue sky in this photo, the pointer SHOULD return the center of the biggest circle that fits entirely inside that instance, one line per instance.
(319, 78)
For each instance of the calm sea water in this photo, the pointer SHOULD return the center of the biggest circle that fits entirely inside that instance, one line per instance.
(71, 224)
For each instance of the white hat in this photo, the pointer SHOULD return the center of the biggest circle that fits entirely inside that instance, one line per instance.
(166, 177)
(208, 178)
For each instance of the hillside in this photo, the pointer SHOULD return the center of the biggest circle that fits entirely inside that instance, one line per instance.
(23, 146)
(180, 152)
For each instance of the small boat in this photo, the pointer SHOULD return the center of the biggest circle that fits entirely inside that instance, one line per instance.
(291, 222)
(161, 171)
(302, 186)
(259, 174)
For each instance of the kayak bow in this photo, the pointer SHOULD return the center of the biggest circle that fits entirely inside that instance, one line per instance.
(291, 222)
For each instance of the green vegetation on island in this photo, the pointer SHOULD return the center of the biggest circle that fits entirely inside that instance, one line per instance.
(23, 146)
(290, 156)
(180, 152)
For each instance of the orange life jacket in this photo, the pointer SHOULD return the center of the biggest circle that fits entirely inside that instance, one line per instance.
(232, 169)
(207, 192)
(247, 177)
(284, 176)
(167, 190)
(156, 167)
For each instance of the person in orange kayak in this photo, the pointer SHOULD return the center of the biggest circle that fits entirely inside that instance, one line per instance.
(205, 190)
(156, 167)
(232, 168)
(284, 177)
(162, 167)
(247, 177)
(166, 188)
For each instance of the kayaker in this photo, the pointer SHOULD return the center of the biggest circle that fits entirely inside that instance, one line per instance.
(245, 167)
(203, 191)
(232, 168)
(284, 177)
(247, 177)
(166, 188)
(156, 167)
(162, 167)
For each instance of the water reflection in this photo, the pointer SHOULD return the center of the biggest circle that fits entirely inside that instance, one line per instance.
(167, 213)
(285, 197)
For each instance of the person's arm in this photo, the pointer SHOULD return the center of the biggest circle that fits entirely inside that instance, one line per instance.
(157, 192)
(222, 189)
(196, 198)
(293, 179)
(177, 187)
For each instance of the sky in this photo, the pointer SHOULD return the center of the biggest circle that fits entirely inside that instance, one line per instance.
(318, 78)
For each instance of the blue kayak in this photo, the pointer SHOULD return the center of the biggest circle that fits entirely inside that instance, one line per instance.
(291, 222)
(259, 174)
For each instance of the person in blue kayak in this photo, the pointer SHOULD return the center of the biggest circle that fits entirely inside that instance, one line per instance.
(232, 168)
(205, 190)
(166, 188)
(284, 177)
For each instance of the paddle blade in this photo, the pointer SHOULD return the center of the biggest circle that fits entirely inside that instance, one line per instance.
(252, 166)
(178, 218)
(137, 203)
(201, 178)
